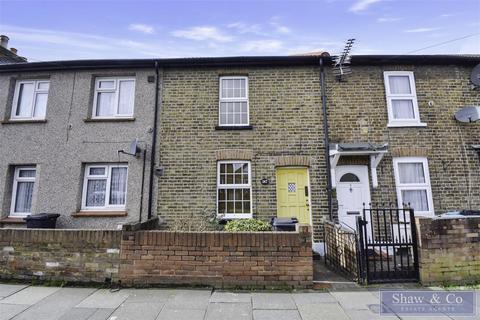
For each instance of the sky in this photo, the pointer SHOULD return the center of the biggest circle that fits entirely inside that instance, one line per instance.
(111, 29)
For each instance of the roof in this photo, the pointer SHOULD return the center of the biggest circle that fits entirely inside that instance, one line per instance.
(358, 147)
(7, 56)
(240, 62)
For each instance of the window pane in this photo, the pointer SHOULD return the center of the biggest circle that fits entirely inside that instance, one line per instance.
(105, 103)
(246, 194)
(411, 173)
(238, 194)
(23, 199)
(96, 190)
(349, 177)
(229, 167)
(125, 104)
(403, 109)
(230, 207)
(40, 105)
(43, 86)
(25, 100)
(238, 207)
(118, 186)
(106, 84)
(222, 195)
(399, 85)
(246, 207)
(230, 194)
(221, 207)
(416, 198)
(25, 173)
(97, 171)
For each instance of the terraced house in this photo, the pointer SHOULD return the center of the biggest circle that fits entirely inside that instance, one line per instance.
(235, 138)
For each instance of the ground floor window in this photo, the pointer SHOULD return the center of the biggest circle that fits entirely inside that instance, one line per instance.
(412, 179)
(234, 189)
(105, 187)
(22, 190)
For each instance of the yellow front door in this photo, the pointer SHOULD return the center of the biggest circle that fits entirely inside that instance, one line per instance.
(293, 194)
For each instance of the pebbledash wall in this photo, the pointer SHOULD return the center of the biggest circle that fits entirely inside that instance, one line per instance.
(449, 250)
(358, 112)
(144, 258)
(287, 130)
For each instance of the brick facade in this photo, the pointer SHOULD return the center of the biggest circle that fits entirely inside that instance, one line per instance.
(449, 251)
(285, 113)
(220, 259)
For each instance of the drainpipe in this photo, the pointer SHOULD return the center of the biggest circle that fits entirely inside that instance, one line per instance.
(326, 138)
(154, 143)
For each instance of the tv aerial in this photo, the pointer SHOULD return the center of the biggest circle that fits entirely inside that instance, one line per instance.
(133, 150)
(342, 61)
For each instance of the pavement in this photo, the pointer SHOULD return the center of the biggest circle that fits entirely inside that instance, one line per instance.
(51, 303)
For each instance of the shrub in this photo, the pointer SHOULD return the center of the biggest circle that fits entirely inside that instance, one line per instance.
(247, 225)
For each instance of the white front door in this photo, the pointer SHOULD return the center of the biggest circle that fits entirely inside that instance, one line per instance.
(353, 190)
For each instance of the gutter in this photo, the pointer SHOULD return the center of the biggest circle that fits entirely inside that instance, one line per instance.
(326, 139)
(154, 142)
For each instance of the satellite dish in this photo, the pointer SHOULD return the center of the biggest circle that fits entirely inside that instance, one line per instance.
(475, 76)
(134, 148)
(468, 114)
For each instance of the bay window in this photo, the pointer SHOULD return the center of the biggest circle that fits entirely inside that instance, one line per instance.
(234, 189)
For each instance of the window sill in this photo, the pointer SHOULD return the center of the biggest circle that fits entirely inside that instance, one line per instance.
(108, 119)
(13, 220)
(406, 124)
(233, 127)
(23, 121)
(97, 214)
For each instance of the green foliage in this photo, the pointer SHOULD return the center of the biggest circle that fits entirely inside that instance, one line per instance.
(247, 225)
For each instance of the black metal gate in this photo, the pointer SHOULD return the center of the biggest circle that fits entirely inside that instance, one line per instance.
(387, 245)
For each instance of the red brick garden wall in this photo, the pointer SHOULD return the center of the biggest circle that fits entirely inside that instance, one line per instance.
(221, 259)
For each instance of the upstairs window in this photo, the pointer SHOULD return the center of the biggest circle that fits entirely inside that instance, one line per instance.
(22, 191)
(234, 189)
(105, 187)
(412, 179)
(233, 101)
(114, 98)
(401, 99)
(30, 100)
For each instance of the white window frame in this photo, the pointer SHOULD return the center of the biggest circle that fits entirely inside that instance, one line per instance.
(107, 176)
(392, 122)
(116, 91)
(414, 186)
(235, 186)
(221, 99)
(16, 180)
(36, 91)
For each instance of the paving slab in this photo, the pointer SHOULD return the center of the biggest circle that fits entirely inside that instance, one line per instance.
(189, 299)
(104, 298)
(358, 300)
(323, 311)
(223, 296)
(313, 297)
(273, 301)
(150, 295)
(56, 304)
(30, 295)
(8, 311)
(230, 311)
(78, 314)
(369, 315)
(276, 315)
(9, 289)
(101, 314)
(137, 310)
(181, 314)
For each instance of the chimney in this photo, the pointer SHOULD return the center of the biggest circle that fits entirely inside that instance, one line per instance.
(14, 50)
(4, 41)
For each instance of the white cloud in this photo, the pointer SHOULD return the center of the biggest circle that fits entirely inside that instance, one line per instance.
(420, 30)
(242, 27)
(388, 19)
(144, 28)
(446, 15)
(262, 46)
(278, 27)
(202, 33)
(361, 5)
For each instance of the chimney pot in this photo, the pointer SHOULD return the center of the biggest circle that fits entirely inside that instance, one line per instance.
(4, 41)
(14, 50)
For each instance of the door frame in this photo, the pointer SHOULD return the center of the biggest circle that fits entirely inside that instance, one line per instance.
(308, 184)
(340, 170)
